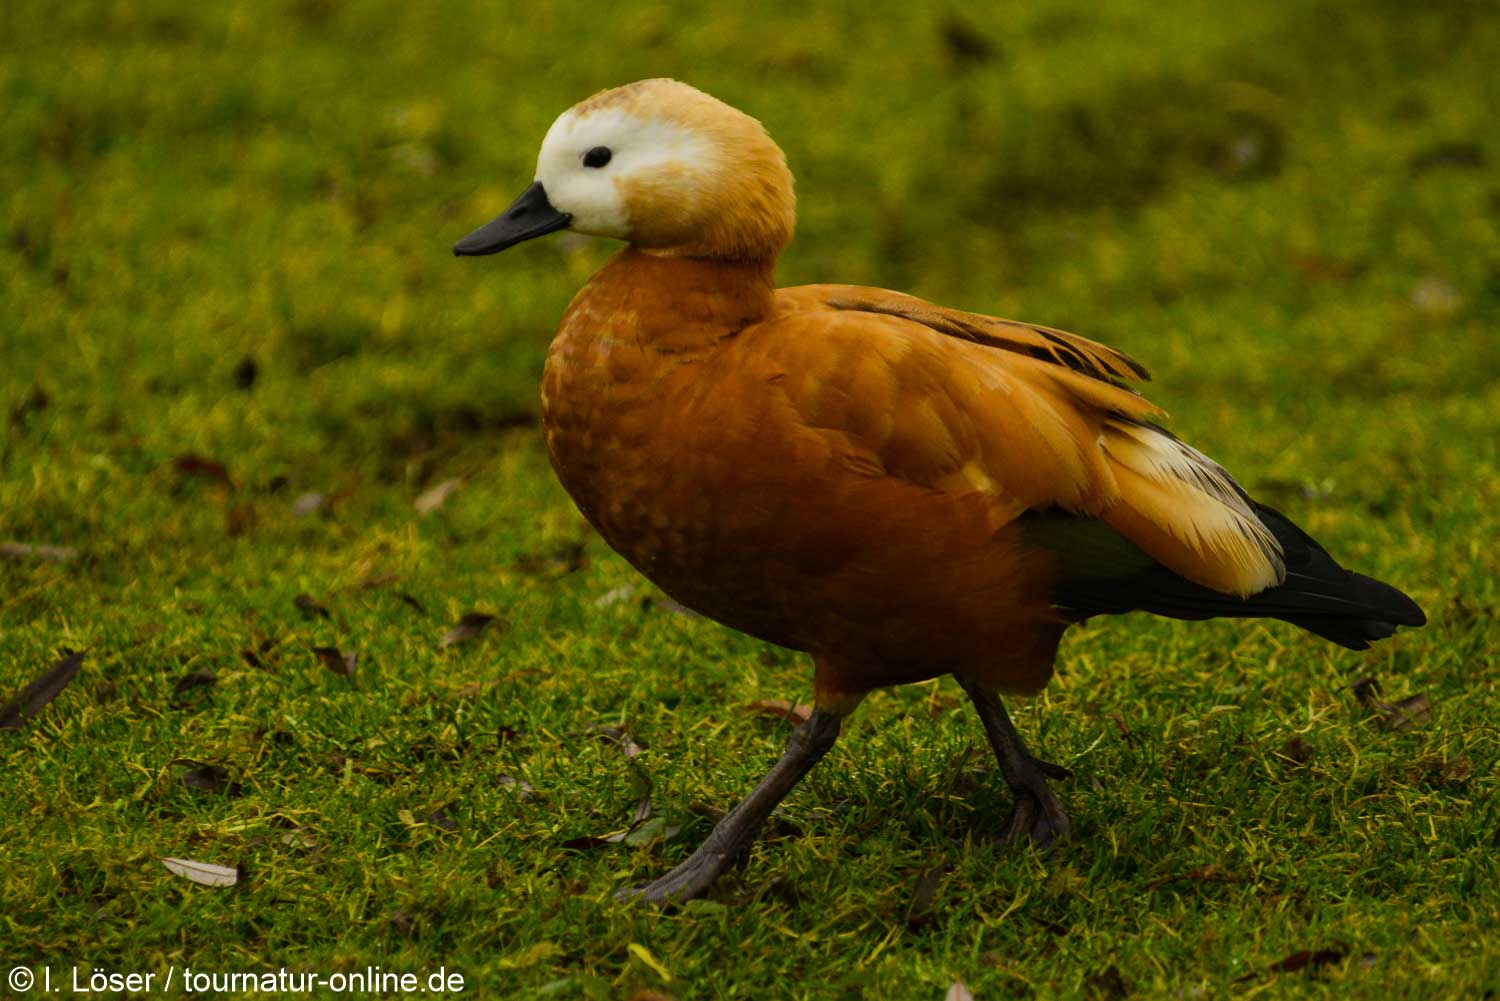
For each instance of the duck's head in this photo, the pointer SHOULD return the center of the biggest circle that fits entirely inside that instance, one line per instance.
(661, 165)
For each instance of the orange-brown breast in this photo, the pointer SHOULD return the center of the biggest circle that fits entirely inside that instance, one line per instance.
(797, 478)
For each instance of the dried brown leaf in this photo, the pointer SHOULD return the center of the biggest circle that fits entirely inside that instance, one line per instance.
(470, 626)
(189, 464)
(1452, 153)
(1107, 984)
(308, 504)
(589, 842)
(1307, 959)
(1437, 771)
(211, 778)
(239, 519)
(245, 372)
(1211, 873)
(339, 663)
(439, 818)
(614, 596)
(37, 551)
(433, 498)
(676, 608)
(206, 873)
(1407, 714)
(524, 789)
(34, 402)
(964, 42)
(311, 607)
(201, 678)
(924, 892)
(557, 563)
(35, 696)
(1299, 750)
(617, 736)
(797, 714)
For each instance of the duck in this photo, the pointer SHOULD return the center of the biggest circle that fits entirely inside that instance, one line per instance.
(897, 489)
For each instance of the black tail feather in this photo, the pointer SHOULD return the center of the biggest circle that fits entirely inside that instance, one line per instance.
(1318, 595)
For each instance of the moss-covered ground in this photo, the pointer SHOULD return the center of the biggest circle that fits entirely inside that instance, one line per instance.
(235, 354)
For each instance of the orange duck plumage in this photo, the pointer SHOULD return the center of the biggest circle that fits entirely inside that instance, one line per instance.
(899, 489)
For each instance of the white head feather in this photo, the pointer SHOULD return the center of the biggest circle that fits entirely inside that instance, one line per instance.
(638, 147)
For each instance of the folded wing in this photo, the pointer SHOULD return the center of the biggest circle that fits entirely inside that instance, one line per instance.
(1037, 418)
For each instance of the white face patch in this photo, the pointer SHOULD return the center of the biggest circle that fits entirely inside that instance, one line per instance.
(637, 146)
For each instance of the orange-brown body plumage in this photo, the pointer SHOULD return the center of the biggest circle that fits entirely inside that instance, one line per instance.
(900, 489)
(796, 472)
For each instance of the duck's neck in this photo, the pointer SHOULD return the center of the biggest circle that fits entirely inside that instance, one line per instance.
(672, 304)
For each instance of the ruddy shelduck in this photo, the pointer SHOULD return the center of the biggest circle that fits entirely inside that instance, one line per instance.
(899, 489)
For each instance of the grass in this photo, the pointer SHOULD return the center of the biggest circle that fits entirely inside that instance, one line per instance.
(226, 235)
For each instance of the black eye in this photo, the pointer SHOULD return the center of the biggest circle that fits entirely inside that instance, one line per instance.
(597, 157)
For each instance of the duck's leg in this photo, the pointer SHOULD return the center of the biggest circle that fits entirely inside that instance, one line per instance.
(738, 830)
(1037, 812)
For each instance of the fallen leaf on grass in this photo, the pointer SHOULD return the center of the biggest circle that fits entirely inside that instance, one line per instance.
(1467, 155)
(34, 402)
(255, 654)
(1436, 771)
(239, 519)
(202, 872)
(470, 626)
(211, 778)
(797, 714)
(617, 736)
(1106, 985)
(311, 607)
(919, 912)
(411, 602)
(1409, 713)
(651, 830)
(1211, 873)
(588, 842)
(675, 607)
(245, 372)
(1298, 750)
(1310, 960)
(958, 991)
(1436, 295)
(37, 551)
(439, 818)
(307, 504)
(558, 563)
(964, 41)
(201, 678)
(614, 595)
(524, 790)
(341, 664)
(189, 464)
(1307, 959)
(431, 499)
(35, 696)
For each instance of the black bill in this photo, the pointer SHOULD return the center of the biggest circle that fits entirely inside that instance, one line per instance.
(528, 217)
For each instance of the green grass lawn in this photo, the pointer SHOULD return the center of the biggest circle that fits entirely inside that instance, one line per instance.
(236, 353)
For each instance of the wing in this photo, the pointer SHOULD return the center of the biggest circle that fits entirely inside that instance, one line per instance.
(1034, 418)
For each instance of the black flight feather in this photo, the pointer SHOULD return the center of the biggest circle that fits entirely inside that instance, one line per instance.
(1318, 595)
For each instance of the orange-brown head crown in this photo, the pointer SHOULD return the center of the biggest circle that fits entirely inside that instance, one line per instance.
(672, 170)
